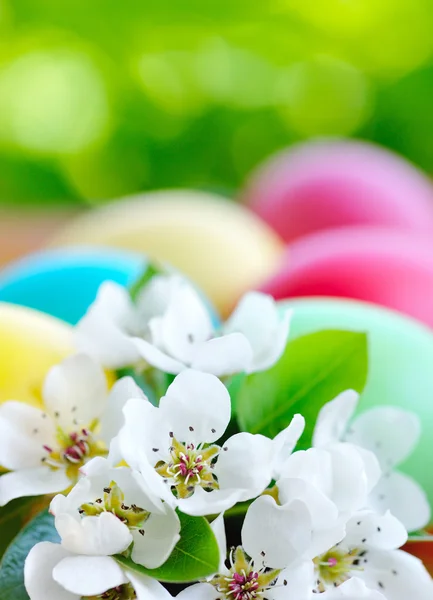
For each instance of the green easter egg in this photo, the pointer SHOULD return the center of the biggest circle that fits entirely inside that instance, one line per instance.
(400, 364)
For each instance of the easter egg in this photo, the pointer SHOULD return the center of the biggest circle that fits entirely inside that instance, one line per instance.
(30, 343)
(387, 267)
(222, 247)
(333, 183)
(400, 358)
(64, 282)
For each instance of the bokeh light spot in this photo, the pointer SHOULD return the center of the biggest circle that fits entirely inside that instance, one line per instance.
(323, 96)
(52, 102)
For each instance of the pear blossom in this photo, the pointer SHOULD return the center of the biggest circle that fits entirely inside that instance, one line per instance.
(44, 448)
(170, 328)
(391, 433)
(108, 510)
(52, 572)
(369, 551)
(173, 447)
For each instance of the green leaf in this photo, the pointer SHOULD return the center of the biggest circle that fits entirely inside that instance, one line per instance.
(151, 270)
(313, 370)
(15, 515)
(40, 529)
(195, 556)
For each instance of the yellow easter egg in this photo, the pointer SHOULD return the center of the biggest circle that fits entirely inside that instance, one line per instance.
(30, 343)
(221, 246)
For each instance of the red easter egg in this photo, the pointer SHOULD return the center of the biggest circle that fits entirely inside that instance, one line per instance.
(333, 183)
(383, 266)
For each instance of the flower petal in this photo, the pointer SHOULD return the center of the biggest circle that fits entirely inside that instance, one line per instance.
(102, 332)
(333, 419)
(103, 535)
(24, 430)
(32, 482)
(38, 573)
(352, 589)
(156, 357)
(266, 335)
(219, 531)
(245, 463)
(276, 536)
(161, 533)
(404, 497)
(390, 432)
(373, 530)
(295, 582)
(224, 355)
(147, 588)
(203, 503)
(198, 591)
(89, 575)
(185, 323)
(284, 443)
(322, 510)
(112, 419)
(198, 406)
(396, 574)
(75, 391)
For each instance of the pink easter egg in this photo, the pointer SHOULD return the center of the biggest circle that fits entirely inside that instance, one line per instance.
(333, 183)
(383, 266)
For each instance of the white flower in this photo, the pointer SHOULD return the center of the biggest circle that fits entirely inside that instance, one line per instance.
(170, 328)
(391, 433)
(352, 589)
(174, 448)
(44, 449)
(53, 573)
(108, 510)
(369, 551)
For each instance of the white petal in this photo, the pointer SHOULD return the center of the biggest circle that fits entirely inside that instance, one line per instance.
(38, 573)
(295, 582)
(245, 463)
(24, 430)
(156, 357)
(313, 465)
(333, 419)
(112, 418)
(101, 535)
(322, 510)
(185, 323)
(390, 432)
(89, 575)
(351, 484)
(404, 497)
(198, 591)
(75, 391)
(161, 534)
(323, 539)
(102, 332)
(147, 588)
(203, 503)
(266, 329)
(397, 574)
(284, 443)
(198, 405)
(353, 589)
(276, 536)
(224, 355)
(373, 530)
(219, 531)
(145, 428)
(32, 482)
(154, 298)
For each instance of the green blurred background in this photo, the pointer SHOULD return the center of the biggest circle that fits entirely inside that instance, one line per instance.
(105, 98)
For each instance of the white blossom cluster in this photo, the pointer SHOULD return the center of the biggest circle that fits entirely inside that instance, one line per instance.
(324, 522)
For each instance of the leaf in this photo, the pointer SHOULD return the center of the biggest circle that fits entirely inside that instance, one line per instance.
(312, 371)
(151, 270)
(195, 556)
(15, 515)
(40, 529)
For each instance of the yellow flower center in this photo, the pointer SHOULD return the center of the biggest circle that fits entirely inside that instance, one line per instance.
(336, 566)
